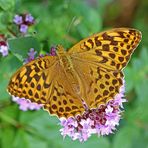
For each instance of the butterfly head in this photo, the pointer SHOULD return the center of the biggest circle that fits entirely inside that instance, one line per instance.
(60, 50)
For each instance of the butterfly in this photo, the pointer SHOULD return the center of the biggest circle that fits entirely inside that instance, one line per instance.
(86, 76)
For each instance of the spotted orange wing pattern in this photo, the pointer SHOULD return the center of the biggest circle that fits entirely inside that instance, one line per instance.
(99, 60)
(43, 81)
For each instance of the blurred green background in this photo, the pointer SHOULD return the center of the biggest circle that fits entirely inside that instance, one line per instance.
(66, 22)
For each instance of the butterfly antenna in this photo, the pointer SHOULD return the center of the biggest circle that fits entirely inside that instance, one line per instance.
(71, 24)
(69, 28)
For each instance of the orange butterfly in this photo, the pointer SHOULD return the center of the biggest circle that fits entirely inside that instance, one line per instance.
(87, 75)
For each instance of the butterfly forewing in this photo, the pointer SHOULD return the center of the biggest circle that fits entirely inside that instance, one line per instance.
(99, 60)
(30, 80)
(111, 49)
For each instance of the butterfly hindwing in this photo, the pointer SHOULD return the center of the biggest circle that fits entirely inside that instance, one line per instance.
(63, 101)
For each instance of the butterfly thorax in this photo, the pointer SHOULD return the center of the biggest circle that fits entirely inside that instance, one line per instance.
(67, 65)
(64, 59)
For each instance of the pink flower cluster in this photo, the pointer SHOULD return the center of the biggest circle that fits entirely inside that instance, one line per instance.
(3, 46)
(100, 121)
(31, 55)
(52, 51)
(23, 21)
(25, 104)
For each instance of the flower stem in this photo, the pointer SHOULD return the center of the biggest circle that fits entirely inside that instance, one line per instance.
(13, 33)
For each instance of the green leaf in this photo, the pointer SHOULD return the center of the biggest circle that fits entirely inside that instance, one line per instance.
(139, 114)
(20, 46)
(7, 137)
(7, 4)
(20, 140)
(129, 78)
(144, 56)
(2, 25)
(42, 127)
(49, 128)
(33, 142)
(142, 91)
(9, 65)
(86, 24)
(8, 123)
(94, 141)
(127, 138)
(9, 114)
(136, 74)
